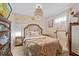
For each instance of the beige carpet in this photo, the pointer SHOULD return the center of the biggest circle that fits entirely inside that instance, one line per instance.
(18, 51)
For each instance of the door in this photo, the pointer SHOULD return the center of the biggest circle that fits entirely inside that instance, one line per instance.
(74, 39)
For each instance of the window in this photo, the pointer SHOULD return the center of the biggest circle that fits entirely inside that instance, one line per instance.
(60, 19)
(61, 23)
(16, 29)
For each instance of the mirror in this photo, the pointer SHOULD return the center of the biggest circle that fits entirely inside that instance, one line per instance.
(3, 27)
(4, 34)
(74, 39)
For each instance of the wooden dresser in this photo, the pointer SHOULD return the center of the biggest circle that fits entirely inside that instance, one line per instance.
(5, 37)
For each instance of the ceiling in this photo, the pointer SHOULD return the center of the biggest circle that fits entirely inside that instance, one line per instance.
(48, 8)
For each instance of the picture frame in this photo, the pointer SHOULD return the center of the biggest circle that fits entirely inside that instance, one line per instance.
(5, 10)
(50, 23)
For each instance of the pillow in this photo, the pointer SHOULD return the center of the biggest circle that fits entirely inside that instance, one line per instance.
(28, 34)
(34, 33)
(32, 38)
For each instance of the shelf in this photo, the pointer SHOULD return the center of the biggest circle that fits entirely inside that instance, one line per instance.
(4, 20)
(1, 46)
(4, 31)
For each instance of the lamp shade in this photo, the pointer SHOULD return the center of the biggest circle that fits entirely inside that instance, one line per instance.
(38, 11)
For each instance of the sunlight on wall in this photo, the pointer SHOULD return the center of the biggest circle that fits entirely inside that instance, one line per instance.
(18, 34)
(61, 22)
(61, 19)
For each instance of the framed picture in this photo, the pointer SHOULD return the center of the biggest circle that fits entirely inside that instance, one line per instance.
(5, 10)
(50, 23)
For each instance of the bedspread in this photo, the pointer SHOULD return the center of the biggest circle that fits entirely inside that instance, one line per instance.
(42, 47)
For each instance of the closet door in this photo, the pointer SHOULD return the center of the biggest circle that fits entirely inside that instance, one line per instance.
(74, 40)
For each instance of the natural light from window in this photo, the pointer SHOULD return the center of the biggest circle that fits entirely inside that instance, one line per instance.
(60, 19)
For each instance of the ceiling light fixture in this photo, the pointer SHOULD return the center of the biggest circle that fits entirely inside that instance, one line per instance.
(38, 13)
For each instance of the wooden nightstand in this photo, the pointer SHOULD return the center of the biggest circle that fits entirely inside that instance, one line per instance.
(19, 41)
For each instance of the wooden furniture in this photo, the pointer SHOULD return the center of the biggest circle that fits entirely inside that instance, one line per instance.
(74, 39)
(19, 41)
(5, 37)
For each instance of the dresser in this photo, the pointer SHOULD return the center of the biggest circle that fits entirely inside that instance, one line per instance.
(5, 37)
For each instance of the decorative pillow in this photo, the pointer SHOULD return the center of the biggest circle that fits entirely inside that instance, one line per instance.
(34, 33)
(28, 34)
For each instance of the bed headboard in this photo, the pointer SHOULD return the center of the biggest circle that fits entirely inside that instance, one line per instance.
(32, 27)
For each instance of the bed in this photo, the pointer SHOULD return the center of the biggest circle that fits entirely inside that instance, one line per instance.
(36, 43)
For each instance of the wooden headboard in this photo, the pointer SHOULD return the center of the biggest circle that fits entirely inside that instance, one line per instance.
(32, 27)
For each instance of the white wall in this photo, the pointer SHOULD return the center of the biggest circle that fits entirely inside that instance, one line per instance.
(24, 20)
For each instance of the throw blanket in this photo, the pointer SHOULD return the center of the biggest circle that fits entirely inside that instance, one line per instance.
(43, 47)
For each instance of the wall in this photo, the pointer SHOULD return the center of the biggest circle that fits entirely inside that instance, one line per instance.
(24, 20)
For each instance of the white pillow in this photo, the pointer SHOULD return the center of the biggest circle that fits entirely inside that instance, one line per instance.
(37, 37)
(34, 33)
(28, 34)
